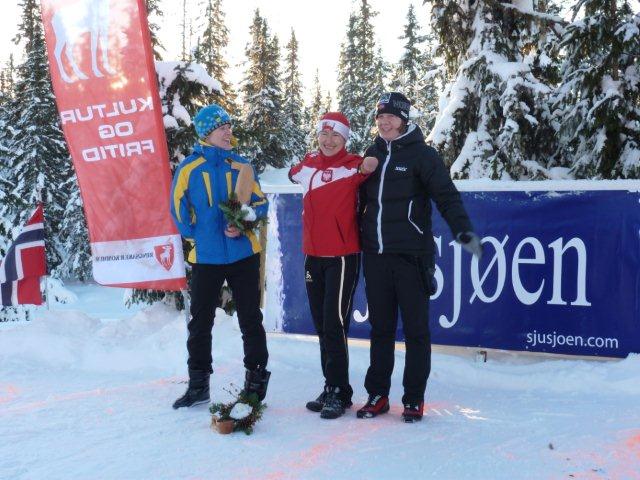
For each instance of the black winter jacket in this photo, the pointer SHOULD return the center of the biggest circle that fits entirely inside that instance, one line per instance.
(395, 201)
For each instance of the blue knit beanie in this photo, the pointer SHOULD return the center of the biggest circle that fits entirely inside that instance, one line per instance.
(209, 118)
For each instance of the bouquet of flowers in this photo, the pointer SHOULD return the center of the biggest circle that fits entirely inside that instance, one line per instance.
(241, 414)
(240, 216)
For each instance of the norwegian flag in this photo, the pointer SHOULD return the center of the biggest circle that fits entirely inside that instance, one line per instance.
(24, 264)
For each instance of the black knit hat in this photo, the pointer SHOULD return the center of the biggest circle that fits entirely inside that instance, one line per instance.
(394, 103)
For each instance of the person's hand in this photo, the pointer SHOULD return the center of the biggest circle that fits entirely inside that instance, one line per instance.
(231, 231)
(369, 164)
(471, 243)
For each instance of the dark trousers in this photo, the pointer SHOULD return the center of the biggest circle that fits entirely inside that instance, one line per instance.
(206, 281)
(330, 283)
(395, 281)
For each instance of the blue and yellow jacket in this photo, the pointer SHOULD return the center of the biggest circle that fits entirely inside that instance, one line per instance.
(202, 180)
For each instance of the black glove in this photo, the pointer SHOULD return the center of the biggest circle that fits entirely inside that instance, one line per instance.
(471, 243)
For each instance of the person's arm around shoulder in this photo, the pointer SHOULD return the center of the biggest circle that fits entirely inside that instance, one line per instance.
(439, 185)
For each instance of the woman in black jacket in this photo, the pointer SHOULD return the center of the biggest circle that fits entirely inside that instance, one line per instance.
(398, 251)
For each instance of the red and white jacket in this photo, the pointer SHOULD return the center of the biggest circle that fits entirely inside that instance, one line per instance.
(330, 195)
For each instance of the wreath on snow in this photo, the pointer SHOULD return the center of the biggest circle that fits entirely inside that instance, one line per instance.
(239, 415)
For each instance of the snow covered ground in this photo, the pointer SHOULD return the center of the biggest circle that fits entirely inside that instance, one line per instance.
(86, 393)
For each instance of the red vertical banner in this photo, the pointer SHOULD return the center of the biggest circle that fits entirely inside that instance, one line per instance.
(104, 79)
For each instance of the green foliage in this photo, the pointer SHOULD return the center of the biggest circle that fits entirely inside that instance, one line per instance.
(361, 72)
(263, 104)
(293, 106)
(313, 114)
(35, 160)
(246, 425)
(209, 52)
(496, 121)
(416, 75)
(154, 10)
(235, 216)
(597, 106)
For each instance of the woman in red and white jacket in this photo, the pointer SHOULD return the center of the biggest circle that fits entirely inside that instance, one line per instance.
(330, 179)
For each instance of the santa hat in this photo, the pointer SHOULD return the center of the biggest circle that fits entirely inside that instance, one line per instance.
(334, 121)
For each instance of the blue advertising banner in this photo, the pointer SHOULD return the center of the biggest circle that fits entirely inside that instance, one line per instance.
(560, 274)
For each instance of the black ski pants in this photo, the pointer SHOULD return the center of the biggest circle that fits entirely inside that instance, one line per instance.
(395, 281)
(243, 277)
(331, 282)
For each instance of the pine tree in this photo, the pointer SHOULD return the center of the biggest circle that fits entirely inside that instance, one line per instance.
(313, 113)
(328, 102)
(154, 10)
(598, 102)
(210, 53)
(262, 93)
(360, 76)
(74, 237)
(292, 105)
(37, 161)
(495, 122)
(7, 81)
(417, 75)
(186, 33)
(407, 73)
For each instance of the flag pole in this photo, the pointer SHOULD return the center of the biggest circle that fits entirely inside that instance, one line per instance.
(46, 277)
(187, 305)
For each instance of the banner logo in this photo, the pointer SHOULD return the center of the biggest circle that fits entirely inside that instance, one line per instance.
(164, 255)
(70, 23)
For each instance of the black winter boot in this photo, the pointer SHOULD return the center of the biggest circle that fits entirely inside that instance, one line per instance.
(345, 395)
(197, 392)
(256, 381)
(333, 404)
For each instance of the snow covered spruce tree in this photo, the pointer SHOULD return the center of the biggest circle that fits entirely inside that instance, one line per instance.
(494, 121)
(292, 104)
(7, 80)
(73, 238)
(153, 11)
(313, 112)
(210, 49)
(598, 101)
(37, 162)
(360, 76)
(264, 138)
(416, 74)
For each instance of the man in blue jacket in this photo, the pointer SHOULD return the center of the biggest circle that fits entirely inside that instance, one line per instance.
(219, 252)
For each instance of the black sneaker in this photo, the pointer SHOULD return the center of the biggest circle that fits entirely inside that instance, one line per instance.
(376, 405)
(333, 405)
(412, 412)
(317, 404)
(193, 396)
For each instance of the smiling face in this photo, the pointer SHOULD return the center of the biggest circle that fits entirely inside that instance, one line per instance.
(331, 142)
(389, 126)
(221, 137)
